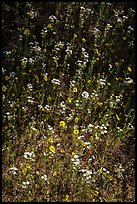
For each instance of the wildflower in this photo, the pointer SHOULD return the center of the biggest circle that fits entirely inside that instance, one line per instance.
(29, 155)
(49, 26)
(28, 166)
(13, 169)
(76, 119)
(115, 182)
(44, 177)
(100, 103)
(76, 131)
(89, 81)
(62, 124)
(96, 193)
(24, 171)
(110, 178)
(75, 90)
(54, 173)
(27, 31)
(116, 63)
(128, 81)
(83, 40)
(75, 36)
(13, 94)
(50, 139)
(69, 100)
(55, 81)
(85, 94)
(67, 198)
(52, 149)
(4, 88)
(7, 78)
(24, 184)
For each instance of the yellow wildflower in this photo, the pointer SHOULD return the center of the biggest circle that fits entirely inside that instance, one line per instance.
(89, 81)
(67, 198)
(129, 69)
(24, 171)
(96, 193)
(28, 166)
(45, 78)
(4, 88)
(116, 63)
(62, 124)
(50, 139)
(43, 109)
(76, 131)
(54, 173)
(115, 182)
(69, 100)
(27, 31)
(13, 94)
(49, 26)
(83, 40)
(52, 149)
(6, 77)
(75, 89)
(75, 36)
(110, 178)
(100, 103)
(73, 153)
(76, 119)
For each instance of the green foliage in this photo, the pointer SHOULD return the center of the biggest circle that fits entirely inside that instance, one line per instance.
(68, 85)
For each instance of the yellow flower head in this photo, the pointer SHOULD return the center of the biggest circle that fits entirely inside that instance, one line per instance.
(100, 103)
(4, 88)
(54, 173)
(49, 26)
(83, 40)
(28, 166)
(76, 131)
(75, 89)
(24, 171)
(96, 193)
(76, 119)
(75, 36)
(129, 69)
(45, 78)
(89, 81)
(110, 178)
(62, 124)
(69, 100)
(50, 139)
(7, 78)
(52, 149)
(67, 198)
